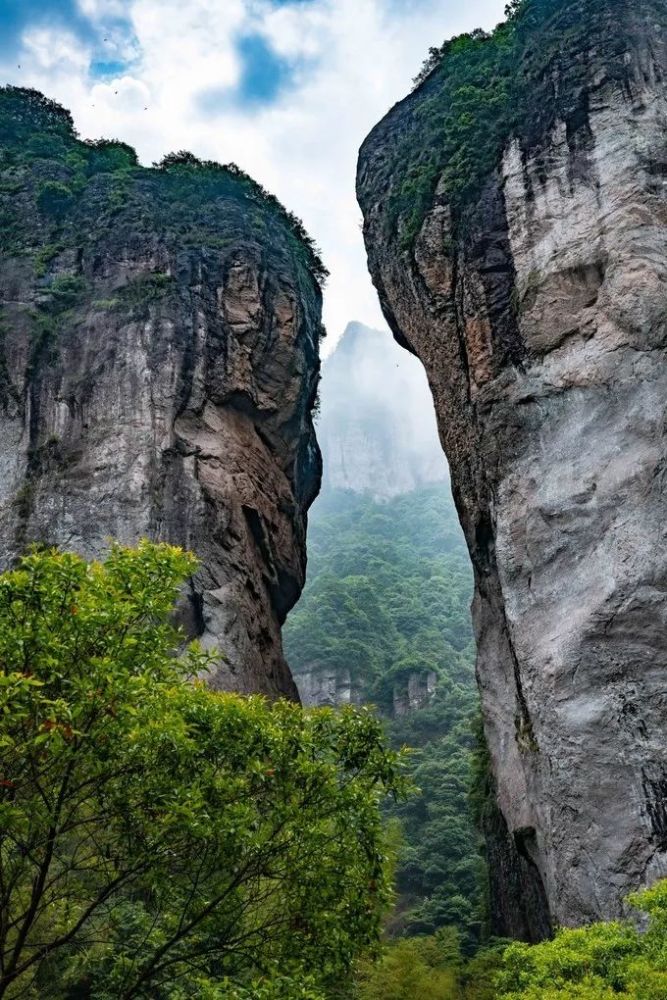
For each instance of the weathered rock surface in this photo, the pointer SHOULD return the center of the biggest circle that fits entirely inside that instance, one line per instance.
(320, 686)
(539, 314)
(376, 427)
(157, 375)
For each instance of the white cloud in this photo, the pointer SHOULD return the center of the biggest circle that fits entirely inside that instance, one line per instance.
(54, 51)
(360, 57)
(102, 8)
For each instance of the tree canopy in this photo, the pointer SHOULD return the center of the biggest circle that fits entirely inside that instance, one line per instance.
(159, 839)
(388, 598)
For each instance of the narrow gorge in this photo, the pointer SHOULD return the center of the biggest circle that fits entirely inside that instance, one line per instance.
(159, 338)
(515, 219)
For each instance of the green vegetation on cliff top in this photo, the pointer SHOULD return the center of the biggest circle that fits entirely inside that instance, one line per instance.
(478, 90)
(83, 189)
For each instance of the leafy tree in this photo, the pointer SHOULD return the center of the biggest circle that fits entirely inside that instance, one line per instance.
(159, 839)
(413, 967)
(600, 962)
(430, 968)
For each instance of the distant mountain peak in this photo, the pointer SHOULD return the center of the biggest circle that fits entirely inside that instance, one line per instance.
(377, 426)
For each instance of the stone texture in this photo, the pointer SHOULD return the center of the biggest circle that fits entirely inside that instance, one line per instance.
(328, 687)
(182, 416)
(413, 694)
(543, 332)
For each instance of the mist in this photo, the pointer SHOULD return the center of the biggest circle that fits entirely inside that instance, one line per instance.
(377, 426)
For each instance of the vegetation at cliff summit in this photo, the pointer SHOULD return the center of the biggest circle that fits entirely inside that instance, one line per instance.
(159, 839)
(84, 191)
(386, 606)
(477, 90)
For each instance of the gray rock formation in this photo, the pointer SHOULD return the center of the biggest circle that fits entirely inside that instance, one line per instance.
(377, 426)
(321, 686)
(538, 309)
(414, 694)
(158, 365)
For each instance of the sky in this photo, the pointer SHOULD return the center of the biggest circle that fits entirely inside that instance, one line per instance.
(287, 89)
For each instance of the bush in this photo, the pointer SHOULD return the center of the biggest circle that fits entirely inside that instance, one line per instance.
(54, 199)
(600, 962)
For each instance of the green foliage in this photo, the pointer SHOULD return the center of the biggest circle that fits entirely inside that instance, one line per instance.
(64, 292)
(389, 590)
(410, 968)
(600, 962)
(110, 156)
(144, 290)
(604, 961)
(55, 199)
(25, 113)
(429, 968)
(478, 90)
(44, 256)
(206, 180)
(82, 188)
(465, 122)
(388, 596)
(159, 839)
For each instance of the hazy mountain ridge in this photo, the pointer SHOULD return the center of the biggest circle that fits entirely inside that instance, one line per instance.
(377, 427)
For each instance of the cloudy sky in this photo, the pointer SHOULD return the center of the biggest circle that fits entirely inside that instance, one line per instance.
(288, 89)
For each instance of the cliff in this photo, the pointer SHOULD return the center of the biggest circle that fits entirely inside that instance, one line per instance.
(376, 426)
(159, 338)
(515, 215)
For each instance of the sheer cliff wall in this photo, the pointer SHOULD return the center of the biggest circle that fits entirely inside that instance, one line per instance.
(515, 212)
(159, 336)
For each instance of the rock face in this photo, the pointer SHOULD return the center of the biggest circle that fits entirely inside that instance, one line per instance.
(158, 366)
(377, 427)
(326, 686)
(537, 305)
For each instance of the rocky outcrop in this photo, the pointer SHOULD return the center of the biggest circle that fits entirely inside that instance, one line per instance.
(331, 687)
(321, 686)
(415, 692)
(376, 426)
(158, 366)
(534, 293)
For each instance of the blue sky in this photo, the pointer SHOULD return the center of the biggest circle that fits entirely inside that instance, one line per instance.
(287, 89)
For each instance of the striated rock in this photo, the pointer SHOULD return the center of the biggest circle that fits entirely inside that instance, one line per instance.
(376, 426)
(535, 297)
(414, 693)
(320, 685)
(158, 366)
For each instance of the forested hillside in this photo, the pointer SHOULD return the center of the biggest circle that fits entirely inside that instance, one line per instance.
(387, 605)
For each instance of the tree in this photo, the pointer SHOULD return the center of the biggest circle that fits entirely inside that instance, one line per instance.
(159, 839)
(600, 962)
(412, 968)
